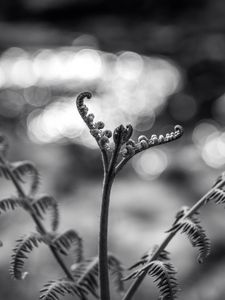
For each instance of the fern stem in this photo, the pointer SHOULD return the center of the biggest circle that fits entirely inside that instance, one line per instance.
(36, 220)
(109, 176)
(134, 286)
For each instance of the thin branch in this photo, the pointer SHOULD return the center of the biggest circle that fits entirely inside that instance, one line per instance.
(36, 220)
(134, 286)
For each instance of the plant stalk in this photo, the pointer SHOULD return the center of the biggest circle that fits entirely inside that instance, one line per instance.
(109, 176)
(135, 285)
(36, 220)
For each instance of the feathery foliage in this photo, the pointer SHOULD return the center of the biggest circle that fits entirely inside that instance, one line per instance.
(217, 195)
(69, 242)
(163, 274)
(86, 273)
(23, 168)
(195, 232)
(8, 204)
(61, 287)
(44, 203)
(23, 247)
(147, 257)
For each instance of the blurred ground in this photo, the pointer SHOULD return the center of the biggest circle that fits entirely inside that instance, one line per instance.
(150, 63)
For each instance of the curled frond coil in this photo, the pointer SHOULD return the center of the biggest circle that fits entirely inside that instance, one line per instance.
(163, 274)
(96, 128)
(132, 148)
(24, 246)
(52, 290)
(44, 203)
(23, 168)
(196, 234)
(69, 242)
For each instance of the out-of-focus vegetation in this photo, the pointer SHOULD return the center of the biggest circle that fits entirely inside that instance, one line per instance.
(149, 63)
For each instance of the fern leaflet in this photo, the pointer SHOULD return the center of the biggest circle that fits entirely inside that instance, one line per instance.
(53, 289)
(86, 274)
(218, 195)
(147, 257)
(22, 168)
(42, 204)
(196, 234)
(164, 274)
(23, 247)
(70, 242)
(10, 204)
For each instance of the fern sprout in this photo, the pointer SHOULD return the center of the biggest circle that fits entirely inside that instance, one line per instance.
(91, 276)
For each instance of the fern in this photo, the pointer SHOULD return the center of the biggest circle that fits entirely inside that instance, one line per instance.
(10, 204)
(42, 204)
(23, 247)
(53, 289)
(220, 180)
(164, 274)
(70, 242)
(22, 168)
(218, 196)
(116, 271)
(86, 273)
(196, 234)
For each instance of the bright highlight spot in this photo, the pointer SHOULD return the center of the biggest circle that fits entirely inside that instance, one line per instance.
(150, 164)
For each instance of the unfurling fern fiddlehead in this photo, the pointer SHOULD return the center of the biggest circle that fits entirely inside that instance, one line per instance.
(84, 275)
(114, 157)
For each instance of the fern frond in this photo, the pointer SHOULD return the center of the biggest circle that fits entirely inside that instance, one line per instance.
(144, 142)
(86, 273)
(23, 247)
(70, 242)
(147, 257)
(42, 204)
(54, 289)
(96, 128)
(218, 196)
(10, 204)
(22, 168)
(163, 274)
(220, 180)
(196, 234)
(116, 271)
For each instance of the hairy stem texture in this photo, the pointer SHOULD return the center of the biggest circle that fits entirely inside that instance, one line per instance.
(135, 285)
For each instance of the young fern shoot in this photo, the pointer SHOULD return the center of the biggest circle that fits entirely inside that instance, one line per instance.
(90, 276)
(114, 157)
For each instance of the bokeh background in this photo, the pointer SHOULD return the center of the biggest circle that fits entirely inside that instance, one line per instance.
(151, 63)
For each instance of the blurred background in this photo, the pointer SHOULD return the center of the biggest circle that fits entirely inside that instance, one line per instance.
(150, 63)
